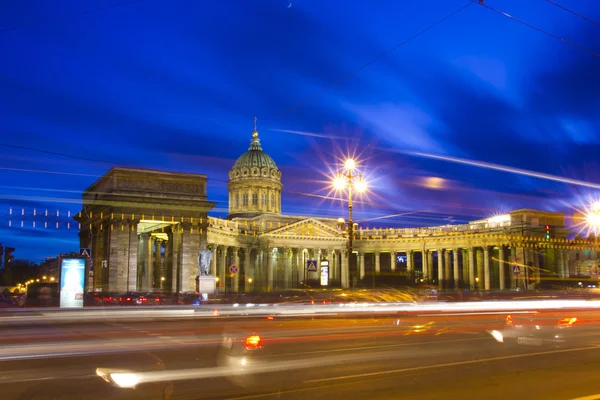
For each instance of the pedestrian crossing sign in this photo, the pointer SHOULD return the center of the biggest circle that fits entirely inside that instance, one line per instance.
(311, 266)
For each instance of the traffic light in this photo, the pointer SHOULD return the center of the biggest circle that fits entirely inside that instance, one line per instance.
(548, 232)
(8, 257)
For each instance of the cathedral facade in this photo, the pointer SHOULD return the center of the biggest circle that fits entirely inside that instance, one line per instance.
(145, 228)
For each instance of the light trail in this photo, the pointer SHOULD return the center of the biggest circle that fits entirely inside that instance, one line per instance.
(312, 134)
(503, 168)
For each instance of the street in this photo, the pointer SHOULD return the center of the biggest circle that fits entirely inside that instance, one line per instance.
(355, 357)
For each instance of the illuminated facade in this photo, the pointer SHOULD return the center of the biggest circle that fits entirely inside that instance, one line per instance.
(145, 229)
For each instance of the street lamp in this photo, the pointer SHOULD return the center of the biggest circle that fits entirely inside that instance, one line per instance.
(349, 179)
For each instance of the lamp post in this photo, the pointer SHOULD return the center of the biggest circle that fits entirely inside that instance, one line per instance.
(348, 178)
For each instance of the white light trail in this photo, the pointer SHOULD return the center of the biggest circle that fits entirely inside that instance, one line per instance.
(497, 167)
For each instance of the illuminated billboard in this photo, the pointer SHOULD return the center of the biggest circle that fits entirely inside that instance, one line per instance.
(72, 280)
(324, 273)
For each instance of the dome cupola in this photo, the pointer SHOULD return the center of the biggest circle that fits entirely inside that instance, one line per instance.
(254, 182)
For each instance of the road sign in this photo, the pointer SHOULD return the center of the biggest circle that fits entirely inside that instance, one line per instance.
(233, 269)
(516, 269)
(311, 266)
(85, 251)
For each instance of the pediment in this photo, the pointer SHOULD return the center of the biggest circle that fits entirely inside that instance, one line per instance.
(306, 228)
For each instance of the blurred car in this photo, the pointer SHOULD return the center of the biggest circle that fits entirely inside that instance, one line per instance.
(240, 351)
(111, 378)
(132, 299)
(541, 330)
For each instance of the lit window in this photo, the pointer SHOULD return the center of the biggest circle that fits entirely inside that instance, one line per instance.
(245, 199)
(254, 199)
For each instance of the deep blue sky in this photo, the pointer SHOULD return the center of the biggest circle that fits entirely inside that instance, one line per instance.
(175, 84)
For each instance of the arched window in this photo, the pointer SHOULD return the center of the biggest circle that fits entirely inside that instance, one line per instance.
(245, 199)
(254, 199)
(264, 199)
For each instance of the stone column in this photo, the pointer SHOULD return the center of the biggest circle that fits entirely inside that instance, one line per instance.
(157, 264)
(248, 270)
(213, 260)
(377, 262)
(222, 268)
(440, 269)
(465, 267)
(486, 266)
(118, 257)
(393, 257)
(361, 264)
(455, 252)
(190, 246)
(287, 268)
(514, 278)
(333, 266)
(270, 268)
(472, 282)
(502, 267)
(299, 266)
(143, 264)
(409, 262)
(427, 264)
(176, 259)
(447, 274)
(562, 271)
(236, 262)
(132, 257)
(345, 269)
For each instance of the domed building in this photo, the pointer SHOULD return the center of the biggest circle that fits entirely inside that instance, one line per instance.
(146, 229)
(254, 183)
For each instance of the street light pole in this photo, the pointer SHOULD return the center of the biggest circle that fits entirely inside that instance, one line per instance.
(353, 181)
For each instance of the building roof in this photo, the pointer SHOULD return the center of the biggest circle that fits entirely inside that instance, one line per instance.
(255, 156)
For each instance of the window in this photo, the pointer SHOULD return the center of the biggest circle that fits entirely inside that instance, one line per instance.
(254, 199)
(245, 199)
(264, 199)
(237, 199)
(272, 200)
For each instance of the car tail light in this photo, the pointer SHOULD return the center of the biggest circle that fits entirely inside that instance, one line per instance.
(567, 321)
(253, 342)
(270, 318)
(509, 320)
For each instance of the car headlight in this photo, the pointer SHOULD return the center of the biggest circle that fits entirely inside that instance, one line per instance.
(120, 378)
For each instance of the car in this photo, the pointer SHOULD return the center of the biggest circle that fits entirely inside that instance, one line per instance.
(114, 377)
(542, 330)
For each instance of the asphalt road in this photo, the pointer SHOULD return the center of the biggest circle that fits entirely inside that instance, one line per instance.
(375, 357)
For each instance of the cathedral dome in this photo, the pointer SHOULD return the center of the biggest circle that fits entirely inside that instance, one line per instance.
(255, 157)
(254, 183)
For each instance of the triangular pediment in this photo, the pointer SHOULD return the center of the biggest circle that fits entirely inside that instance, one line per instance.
(306, 228)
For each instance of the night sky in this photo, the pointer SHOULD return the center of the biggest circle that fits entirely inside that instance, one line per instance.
(175, 85)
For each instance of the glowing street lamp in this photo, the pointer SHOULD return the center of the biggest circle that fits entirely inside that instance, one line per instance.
(353, 182)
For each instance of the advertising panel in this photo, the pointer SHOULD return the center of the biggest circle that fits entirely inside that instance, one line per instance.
(324, 273)
(72, 281)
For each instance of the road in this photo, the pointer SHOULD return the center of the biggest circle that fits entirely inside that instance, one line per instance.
(350, 357)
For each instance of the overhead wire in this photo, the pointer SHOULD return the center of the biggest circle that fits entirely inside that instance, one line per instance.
(574, 13)
(552, 35)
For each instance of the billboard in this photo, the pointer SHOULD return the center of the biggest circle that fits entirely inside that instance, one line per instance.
(72, 280)
(324, 273)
